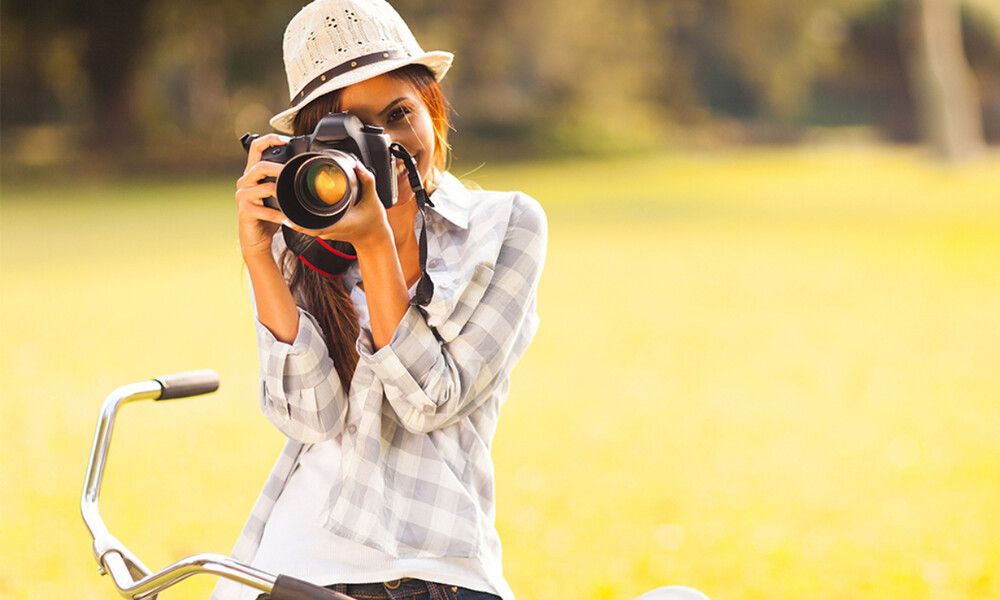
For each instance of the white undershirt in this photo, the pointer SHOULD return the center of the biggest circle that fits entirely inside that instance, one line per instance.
(294, 543)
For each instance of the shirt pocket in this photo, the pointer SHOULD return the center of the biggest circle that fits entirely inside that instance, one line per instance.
(466, 303)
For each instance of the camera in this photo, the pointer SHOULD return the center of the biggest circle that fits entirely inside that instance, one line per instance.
(318, 185)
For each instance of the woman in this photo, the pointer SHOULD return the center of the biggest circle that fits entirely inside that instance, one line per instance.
(389, 402)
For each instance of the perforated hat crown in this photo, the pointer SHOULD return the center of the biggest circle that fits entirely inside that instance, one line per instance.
(331, 44)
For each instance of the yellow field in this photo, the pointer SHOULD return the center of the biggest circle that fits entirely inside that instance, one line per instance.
(764, 374)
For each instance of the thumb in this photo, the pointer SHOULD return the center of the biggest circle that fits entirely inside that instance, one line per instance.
(365, 175)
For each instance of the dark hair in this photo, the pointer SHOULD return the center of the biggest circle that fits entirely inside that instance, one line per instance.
(326, 298)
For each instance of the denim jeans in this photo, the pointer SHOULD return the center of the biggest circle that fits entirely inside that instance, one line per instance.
(406, 589)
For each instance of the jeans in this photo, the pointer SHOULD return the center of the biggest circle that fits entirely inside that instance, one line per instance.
(406, 589)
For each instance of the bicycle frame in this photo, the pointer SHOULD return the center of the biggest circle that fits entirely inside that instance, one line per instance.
(130, 576)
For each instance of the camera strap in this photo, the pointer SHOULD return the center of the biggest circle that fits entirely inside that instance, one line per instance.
(425, 287)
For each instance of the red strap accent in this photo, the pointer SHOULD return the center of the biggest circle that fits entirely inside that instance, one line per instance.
(320, 271)
(337, 252)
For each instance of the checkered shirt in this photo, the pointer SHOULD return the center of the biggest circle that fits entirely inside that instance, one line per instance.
(417, 424)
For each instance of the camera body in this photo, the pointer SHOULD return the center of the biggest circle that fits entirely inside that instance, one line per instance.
(318, 185)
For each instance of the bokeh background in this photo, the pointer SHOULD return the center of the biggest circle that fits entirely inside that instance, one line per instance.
(768, 361)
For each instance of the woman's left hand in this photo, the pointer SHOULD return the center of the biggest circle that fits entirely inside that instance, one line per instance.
(364, 224)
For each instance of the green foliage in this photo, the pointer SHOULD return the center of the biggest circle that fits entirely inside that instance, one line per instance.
(556, 77)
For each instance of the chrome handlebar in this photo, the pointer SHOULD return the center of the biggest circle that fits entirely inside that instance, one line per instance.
(131, 577)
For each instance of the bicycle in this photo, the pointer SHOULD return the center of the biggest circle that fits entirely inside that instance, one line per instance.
(135, 580)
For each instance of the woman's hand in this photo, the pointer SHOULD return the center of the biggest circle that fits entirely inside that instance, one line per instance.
(276, 307)
(364, 225)
(258, 223)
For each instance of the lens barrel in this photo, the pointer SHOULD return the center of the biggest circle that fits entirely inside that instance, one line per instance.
(315, 189)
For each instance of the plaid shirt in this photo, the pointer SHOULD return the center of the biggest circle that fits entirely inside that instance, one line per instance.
(417, 424)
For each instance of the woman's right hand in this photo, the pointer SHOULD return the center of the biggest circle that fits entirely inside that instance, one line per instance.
(275, 305)
(257, 222)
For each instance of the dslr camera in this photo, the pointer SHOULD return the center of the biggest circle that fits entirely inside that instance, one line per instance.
(318, 185)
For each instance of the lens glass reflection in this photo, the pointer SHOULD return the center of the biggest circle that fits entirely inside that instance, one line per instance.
(327, 183)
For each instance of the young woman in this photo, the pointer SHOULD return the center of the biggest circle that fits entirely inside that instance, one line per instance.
(389, 402)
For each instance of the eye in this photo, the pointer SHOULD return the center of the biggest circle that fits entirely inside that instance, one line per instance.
(399, 113)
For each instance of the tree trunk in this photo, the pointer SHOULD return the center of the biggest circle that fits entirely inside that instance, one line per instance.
(942, 83)
(115, 42)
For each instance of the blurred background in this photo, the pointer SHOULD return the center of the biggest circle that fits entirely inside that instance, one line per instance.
(163, 84)
(768, 359)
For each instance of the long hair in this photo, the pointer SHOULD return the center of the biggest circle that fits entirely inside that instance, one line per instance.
(326, 298)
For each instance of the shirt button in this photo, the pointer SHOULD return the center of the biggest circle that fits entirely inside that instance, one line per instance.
(428, 409)
(352, 429)
(434, 263)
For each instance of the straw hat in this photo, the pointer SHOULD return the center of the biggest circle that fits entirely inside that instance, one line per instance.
(331, 44)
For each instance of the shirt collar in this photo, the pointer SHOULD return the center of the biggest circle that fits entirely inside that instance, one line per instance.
(452, 200)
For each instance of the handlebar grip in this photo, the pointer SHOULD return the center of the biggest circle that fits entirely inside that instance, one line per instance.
(188, 383)
(290, 588)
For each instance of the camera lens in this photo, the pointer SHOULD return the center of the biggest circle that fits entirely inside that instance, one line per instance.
(325, 184)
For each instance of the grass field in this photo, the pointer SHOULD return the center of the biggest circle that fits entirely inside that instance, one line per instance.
(765, 374)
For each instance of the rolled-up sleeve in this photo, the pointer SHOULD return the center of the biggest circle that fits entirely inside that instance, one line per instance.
(432, 380)
(301, 393)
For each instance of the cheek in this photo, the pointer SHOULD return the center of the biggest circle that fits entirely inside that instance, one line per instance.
(417, 135)
(418, 138)
(425, 130)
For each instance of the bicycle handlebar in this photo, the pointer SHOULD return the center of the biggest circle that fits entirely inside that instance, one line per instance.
(134, 579)
(188, 383)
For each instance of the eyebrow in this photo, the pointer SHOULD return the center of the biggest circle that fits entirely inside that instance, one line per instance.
(392, 105)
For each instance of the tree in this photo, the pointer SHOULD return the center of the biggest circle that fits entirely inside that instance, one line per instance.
(107, 39)
(944, 89)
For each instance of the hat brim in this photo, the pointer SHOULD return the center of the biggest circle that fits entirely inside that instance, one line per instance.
(437, 62)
